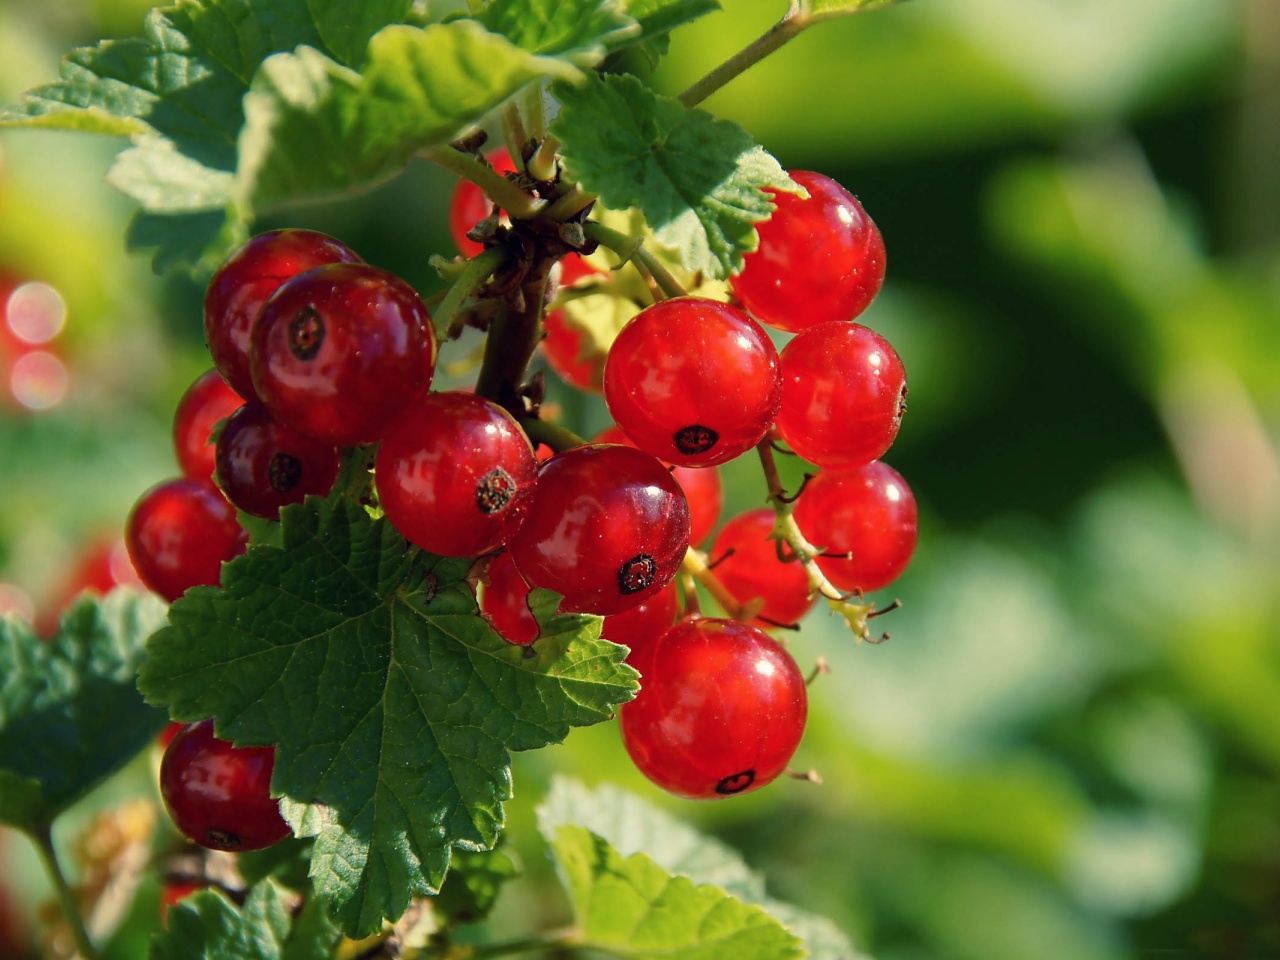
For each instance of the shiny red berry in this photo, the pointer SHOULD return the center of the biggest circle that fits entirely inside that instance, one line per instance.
(456, 475)
(608, 528)
(866, 521)
(693, 381)
(263, 465)
(640, 627)
(844, 392)
(242, 285)
(179, 534)
(567, 349)
(504, 600)
(469, 205)
(820, 258)
(747, 565)
(206, 402)
(219, 795)
(341, 351)
(721, 709)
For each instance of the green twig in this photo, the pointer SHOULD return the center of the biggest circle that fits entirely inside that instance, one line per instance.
(555, 436)
(542, 165)
(42, 836)
(571, 202)
(497, 187)
(514, 132)
(784, 30)
(535, 116)
(448, 316)
(632, 248)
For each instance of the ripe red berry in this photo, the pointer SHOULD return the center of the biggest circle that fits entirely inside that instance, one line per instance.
(868, 513)
(721, 709)
(242, 285)
(340, 352)
(219, 795)
(263, 465)
(640, 627)
(179, 534)
(608, 528)
(469, 205)
(567, 348)
(206, 401)
(747, 565)
(693, 381)
(819, 259)
(173, 892)
(504, 599)
(844, 392)
(701, 485)
(456, 475)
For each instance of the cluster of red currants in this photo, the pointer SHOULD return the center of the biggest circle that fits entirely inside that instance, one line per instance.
(316, 352)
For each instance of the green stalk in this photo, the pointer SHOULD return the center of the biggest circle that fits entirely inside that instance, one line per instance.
(776, 36)
(497, 187)
(629, 248)
(42, 836)
(478, 270)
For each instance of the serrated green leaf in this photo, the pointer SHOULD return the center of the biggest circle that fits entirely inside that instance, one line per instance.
(475, 879)
(346, 28)
(392, 704)
(581, 31)
(287, 862)
(314, 128)
(54, 745)
(633, 907)
(657, 18)
(700, 182)
(634, 826)
(208, 926)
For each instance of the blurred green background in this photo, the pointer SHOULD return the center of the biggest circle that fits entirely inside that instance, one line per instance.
(1069, 748)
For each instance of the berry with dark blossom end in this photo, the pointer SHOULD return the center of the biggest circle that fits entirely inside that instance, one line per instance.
(693, 381)
(820, 258)
(263, 465)
(180, 533)
(218, 794)
(206, 402)
(341, 351)
(456, 475)
(242, 285)
(866, 522)
(721, 709)
(844, 392)
(607, 529)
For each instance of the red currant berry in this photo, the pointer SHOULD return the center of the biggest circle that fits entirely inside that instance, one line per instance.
(721, 709)
(819, 259)
(456, 475)
(640, 627)
(567, 348)
(179, 534)
(747, 565)
(263, 465)
(206, 401)
(701, 486)
(607, 529)
(340, 352)
(504, 599)
(870, 515)
(844, 392)
(173, 892)
(469, 205)
(219, 795)
(242, 285)
(693, 381)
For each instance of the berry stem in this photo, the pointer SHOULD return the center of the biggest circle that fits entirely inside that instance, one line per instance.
(513, 335)
(43, 839)
(535, 119)
(632, 249)
(795, 21)
(555, 436)
(542, 165)
(497, 187)
(570, 203)
(695, 565)
(516, 137)
(449, 317)
(786, 531)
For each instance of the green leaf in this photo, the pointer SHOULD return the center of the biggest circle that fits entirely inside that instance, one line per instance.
(581, 31)
(657, 18)
(632, 906)
(817, 10)
(208, 926)
(700, 182)
(633, 826)
(391, 702)
(470, 890)
(314, 128)
(54, 745)
(287, 862)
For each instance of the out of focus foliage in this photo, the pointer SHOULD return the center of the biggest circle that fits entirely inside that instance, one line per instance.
(1070, 747)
